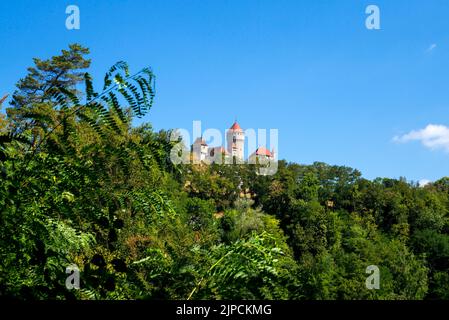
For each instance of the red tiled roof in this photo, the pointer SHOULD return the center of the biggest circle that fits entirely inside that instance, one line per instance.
(235, 126)
(262, 151)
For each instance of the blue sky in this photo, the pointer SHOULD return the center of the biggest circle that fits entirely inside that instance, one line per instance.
(336, 91)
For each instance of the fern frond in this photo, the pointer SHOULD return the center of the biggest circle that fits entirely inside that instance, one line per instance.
(60, 98)
(121, 65)
(90, 92)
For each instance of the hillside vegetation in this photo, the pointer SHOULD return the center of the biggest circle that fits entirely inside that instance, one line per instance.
(80, 185)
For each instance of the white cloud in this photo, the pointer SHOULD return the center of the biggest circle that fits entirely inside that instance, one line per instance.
(434, 137)
(423, 182)
(431, 47)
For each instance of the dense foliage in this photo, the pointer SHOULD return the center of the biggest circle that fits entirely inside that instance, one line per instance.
(80, 185)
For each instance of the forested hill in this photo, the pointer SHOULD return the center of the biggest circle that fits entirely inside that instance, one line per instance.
(81, 187)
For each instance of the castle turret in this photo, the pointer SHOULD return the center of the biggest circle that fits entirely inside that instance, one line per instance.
(236, 141)
(200, 149)
(261, 154)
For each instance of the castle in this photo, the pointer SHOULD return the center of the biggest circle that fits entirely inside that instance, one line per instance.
(235, 151)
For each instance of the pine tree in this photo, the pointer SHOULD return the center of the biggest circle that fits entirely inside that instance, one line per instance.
(32, 101)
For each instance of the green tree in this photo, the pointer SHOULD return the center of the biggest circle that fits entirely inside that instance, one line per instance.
(32, 103)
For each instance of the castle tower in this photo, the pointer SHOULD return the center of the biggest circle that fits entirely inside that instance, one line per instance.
(235, 138)
(261, 154)
(200, 149)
